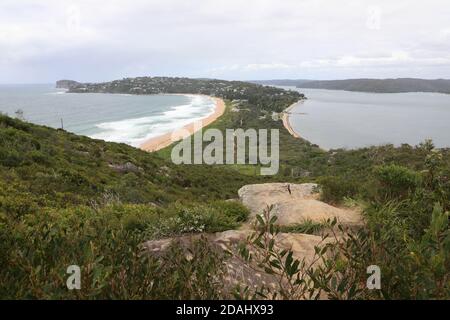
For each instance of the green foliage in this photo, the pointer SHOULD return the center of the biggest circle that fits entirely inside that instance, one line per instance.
(430, 258)
(410, 268)
(406, 234)
(105, 243)
(195, 274)
(335, 189)
(215, 217)
(396, 182)
(291, 274)
(307, 227)
(59, 169)
(18, 206)
(232, 210)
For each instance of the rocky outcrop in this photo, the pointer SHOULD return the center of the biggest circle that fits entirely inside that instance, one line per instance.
(66, 84)
(302, 245)
(125, 168)
(257, 197)
(238, 272)
(298, 211)
(294, 204)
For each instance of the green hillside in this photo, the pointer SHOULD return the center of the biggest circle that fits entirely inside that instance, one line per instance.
(369, 85)
(382, 85)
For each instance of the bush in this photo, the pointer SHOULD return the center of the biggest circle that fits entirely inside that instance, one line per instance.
(335, 189)
(39, 157)
(410, 268)
(233, 210)
(10, 158)
(396, 182)
(18, 206)
(36, 250)
(215, 217)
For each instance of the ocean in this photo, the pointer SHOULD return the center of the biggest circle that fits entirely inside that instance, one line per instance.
(341, 119)
(130, 119)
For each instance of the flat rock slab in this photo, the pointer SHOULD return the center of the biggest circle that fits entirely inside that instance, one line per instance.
(298, 211)
(257, 197)
(294, 204)
(237, 271)
(302, 245)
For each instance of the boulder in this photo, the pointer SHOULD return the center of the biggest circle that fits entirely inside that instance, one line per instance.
(125, 168)
(297, 211)
(257, 197)
(294, 204)
(237, 271)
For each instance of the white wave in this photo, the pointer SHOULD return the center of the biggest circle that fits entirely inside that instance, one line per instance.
(56, 93)
(135, 131)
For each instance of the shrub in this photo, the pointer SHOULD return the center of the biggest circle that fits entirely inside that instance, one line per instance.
(396, 182)
(39, 157)
(193, 273)
(335, 189)
(10, 158)
(18, 206)
(410, 268)
(214, 217)
(233, 210)
(36, 250)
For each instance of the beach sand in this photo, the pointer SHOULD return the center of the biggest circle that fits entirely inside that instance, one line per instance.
(286, 122)
(165, 140)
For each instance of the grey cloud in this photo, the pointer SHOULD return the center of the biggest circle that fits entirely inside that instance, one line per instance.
(92, 40)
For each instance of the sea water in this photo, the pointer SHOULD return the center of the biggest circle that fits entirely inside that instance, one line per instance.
(342, 119)
(130, 119)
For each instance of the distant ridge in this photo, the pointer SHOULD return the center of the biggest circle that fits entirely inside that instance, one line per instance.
(370, 85)
(66, 84)
(282, 82)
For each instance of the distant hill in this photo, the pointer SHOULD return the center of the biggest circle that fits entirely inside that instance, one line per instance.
(371, 85)
(281, 82)
(66, 84)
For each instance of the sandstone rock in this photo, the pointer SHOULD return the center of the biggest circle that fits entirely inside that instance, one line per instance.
(302, 245)
(294, 204)
(257, 197)
(237, 271)
(298, 211)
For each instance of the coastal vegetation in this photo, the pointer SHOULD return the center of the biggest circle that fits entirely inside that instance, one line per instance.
(67, 199)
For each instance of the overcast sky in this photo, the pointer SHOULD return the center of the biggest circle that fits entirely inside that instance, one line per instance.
(92, 40)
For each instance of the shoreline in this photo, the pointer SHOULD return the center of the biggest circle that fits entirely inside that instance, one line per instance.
(165, 140)
(286, 122)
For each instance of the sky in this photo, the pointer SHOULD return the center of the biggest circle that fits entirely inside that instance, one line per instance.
(42, 41)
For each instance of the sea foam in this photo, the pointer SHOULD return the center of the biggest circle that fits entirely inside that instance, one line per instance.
(136, 131)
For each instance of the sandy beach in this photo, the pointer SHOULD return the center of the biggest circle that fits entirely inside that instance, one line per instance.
(165, 140)
(286, 122)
